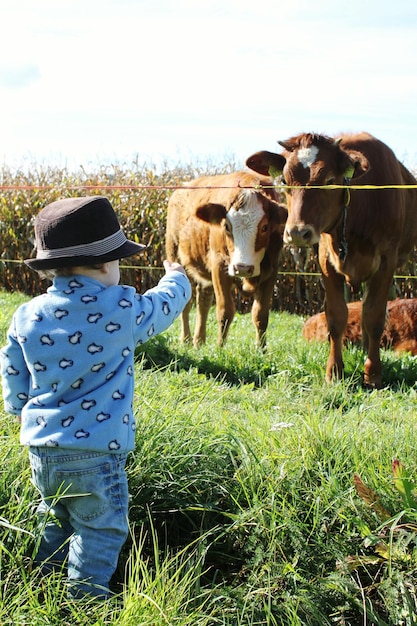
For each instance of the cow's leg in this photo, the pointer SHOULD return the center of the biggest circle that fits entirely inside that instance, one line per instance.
(204, 300)
(185, 323)
(336, 315)
(260, 309)
(225, 306)
(374, 310)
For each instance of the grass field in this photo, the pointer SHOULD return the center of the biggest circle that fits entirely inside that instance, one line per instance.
(245, 509)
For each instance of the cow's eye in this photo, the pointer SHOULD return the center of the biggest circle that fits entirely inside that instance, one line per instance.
(331, 181)
(228, 227)
(264, 228)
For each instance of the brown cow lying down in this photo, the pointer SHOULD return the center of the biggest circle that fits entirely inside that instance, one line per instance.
(222, 228)
(362, 236)
(400, 332)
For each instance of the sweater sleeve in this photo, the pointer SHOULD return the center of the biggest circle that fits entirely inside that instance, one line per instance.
(14, 374)
(158, 307)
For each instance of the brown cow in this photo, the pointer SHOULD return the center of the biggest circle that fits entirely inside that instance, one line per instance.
(400, 332)
(363, 235)
(222, 228)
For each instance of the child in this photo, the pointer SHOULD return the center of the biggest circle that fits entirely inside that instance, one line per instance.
(67, 373)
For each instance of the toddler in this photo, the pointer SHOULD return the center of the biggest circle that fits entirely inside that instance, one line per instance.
(68, 375)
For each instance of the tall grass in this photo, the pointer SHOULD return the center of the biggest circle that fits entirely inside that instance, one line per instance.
(243, 506)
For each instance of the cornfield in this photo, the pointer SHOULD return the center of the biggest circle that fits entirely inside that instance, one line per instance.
(139, 194)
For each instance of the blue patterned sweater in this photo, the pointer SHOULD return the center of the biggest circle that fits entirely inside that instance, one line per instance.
(67, 368)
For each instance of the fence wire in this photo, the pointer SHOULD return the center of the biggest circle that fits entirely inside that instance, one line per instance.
(142, 213)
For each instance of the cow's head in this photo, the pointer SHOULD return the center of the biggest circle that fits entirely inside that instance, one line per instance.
(247, 226)
(309, 166)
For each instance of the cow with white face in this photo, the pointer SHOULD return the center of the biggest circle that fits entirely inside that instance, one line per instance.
(221, 229)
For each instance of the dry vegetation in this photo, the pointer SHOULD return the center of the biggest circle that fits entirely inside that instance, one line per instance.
(140, 194)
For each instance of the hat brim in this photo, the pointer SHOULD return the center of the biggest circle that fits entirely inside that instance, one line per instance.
(129, 248)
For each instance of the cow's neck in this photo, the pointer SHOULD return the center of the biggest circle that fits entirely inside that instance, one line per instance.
(342, 248)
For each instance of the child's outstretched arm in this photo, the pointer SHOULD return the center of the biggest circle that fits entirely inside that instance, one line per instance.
(159, 306)
(171, 267)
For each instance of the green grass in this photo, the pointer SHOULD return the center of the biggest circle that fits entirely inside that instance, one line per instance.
(243, 509)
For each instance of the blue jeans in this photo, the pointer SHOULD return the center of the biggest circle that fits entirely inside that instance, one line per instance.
(83, 515)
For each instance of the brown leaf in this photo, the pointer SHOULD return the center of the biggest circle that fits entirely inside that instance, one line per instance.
(370, 497)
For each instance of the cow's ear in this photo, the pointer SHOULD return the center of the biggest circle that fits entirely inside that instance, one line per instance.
(357, 165)
(211, 212)
(352, 163)
(266, 163)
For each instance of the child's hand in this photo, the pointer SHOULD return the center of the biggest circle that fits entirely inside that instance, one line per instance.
(171, 267)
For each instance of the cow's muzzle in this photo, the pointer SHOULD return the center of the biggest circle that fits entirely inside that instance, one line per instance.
(301, 236)
(243, 270)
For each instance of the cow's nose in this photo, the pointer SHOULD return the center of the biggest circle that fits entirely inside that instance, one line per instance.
(241, 269)
(298, 235)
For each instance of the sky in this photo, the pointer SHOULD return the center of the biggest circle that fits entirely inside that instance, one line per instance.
(93, 82)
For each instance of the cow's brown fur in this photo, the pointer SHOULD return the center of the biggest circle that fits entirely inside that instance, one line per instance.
(400, 332)
(381, 227)
(198, 238)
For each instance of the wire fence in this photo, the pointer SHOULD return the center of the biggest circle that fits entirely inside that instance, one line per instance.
(141, 207)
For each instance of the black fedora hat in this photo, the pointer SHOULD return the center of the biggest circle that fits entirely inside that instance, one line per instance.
(79, 231)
